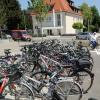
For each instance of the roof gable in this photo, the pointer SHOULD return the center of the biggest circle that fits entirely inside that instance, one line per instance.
(63, 5)
(59, 5)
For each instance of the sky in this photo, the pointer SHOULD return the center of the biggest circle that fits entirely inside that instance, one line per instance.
(89, 2)
(24, 4)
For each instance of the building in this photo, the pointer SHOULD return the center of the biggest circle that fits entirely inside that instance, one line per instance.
(60, 19)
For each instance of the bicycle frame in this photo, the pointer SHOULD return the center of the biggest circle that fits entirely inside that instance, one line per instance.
(4, 82)
(32, 80)
(7, 79)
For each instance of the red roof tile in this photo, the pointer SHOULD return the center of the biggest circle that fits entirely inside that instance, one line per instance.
(62, 5)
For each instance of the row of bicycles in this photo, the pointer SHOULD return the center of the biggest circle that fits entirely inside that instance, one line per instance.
(48, 70)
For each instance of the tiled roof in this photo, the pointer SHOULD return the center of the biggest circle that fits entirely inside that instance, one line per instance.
(63, 5)
(59, 5)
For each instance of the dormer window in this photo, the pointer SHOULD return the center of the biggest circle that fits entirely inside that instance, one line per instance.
(77, 10)
(74, 9)
(70, 2)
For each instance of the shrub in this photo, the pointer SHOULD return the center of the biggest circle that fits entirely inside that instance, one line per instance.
(78, 26)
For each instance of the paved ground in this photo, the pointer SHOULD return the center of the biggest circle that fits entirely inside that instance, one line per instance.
(14, 46)
(95, 90)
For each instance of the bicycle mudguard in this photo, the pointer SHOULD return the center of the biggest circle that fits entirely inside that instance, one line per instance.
(84, 62)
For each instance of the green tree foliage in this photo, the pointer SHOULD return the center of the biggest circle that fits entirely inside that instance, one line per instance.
(30, 7)
(3, 18)
(2, 14)
(92, 28)
(86, 10)
(78, 26)
(41, 9)
(87, 14)
(26, 22)
(95, 18)
(99, 21)
(11, 12)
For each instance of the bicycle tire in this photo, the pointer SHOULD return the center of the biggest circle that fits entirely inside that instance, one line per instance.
(71, 90)
(86, 73)
(24, 91)
(56, 97)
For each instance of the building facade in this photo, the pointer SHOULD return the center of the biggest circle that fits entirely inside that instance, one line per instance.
(59, 21)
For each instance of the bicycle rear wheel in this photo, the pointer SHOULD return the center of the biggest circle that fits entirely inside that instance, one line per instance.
(69, 90)
(85, 78)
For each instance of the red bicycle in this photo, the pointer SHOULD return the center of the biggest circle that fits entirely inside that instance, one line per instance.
(8, 82)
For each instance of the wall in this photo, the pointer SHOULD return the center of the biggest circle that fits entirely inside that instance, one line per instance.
(70, 19)
(66, 22)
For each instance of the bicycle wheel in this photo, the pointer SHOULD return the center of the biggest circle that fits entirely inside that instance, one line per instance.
(42, 76)
(84, 78)
(69, 90)
(23, 92)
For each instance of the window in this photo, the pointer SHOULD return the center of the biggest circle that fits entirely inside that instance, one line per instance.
(49, 32)
(77, 10)
(58, 20)
(36, 27)
(38, 30)
(48, 19)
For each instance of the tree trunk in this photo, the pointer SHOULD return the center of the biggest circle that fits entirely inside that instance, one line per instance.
(88, 24)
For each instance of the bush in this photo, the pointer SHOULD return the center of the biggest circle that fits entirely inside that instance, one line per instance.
(78, 26)
(92, 28)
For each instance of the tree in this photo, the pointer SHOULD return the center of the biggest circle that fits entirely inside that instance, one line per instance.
(26, 22)
(10, 13)
(99, 22)
(13, 13)
(29, 5)
(41, 9)
(2, 15)
(87, 14)
(2, 18)
(78, 26)
(95, 18)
